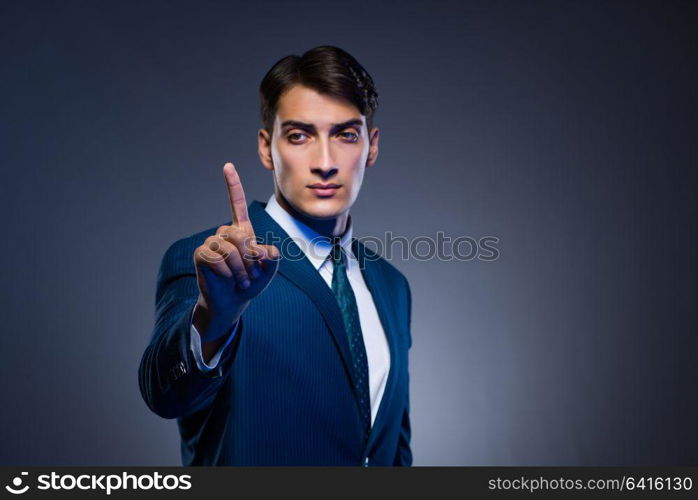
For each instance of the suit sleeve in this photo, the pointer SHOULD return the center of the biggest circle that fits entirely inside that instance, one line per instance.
(170, 382)
(196, 348)
(403, 456)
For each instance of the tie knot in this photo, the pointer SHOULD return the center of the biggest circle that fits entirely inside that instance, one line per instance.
(336, 253)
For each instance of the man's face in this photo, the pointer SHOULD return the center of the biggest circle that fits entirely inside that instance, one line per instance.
(318, 140)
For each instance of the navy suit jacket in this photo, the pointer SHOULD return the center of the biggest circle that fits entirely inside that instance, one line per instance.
(282, 391)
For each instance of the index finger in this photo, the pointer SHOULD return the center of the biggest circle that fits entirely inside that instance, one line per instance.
(238, 204)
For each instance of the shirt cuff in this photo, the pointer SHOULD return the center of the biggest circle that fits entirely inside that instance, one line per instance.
(196, 347)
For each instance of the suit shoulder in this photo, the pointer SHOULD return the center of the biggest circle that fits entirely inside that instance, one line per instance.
(392, 273)
(187, 244)
(178, 258)
(399, 286)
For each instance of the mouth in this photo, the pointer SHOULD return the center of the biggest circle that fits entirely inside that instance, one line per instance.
(324, 190)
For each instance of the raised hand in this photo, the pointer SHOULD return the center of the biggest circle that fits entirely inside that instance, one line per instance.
(231, 267)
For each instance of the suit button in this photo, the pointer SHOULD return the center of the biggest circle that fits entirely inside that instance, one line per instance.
(178, 370)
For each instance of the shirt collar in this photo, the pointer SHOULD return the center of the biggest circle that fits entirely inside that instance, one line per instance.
(315, 247)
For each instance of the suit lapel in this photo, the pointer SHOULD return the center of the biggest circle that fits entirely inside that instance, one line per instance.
(304, 275)
(375, 282)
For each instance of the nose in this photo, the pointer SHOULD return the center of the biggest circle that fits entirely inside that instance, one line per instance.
(323, 163)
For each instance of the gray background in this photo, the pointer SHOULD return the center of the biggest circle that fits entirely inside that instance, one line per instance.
(566, 129)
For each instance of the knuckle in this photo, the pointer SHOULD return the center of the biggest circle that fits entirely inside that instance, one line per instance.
(240, 231)
(253, 252)
(205, 254)
(224, 252)
(248, 251)
(260, 252)
(239, 239)
(214, 245)
(226, 232)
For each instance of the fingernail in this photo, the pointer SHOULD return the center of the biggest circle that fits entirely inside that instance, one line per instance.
(245, 283)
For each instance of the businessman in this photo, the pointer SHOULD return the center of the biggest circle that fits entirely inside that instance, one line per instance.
(279, 338)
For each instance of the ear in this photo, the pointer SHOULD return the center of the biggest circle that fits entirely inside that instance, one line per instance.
(264, 149)
(373, 147)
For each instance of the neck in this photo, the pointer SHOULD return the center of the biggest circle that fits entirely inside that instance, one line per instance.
(328, 228)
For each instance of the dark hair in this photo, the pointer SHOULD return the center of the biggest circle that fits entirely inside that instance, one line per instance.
(326, 69)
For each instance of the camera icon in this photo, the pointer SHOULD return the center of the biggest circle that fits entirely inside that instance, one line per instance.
(17, 483)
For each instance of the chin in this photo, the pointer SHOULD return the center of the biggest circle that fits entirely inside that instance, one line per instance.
(323, 209)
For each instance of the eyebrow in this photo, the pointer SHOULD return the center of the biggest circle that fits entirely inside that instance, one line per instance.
(309, 127)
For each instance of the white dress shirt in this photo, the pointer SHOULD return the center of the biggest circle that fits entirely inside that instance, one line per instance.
(317, 249)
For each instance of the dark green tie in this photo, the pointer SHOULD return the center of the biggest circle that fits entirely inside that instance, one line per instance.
(350, 313)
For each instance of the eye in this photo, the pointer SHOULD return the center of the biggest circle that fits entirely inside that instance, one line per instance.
(350, 136)
(295, 137)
